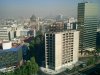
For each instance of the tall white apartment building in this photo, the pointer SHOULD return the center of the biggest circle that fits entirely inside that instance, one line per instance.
(61, 49)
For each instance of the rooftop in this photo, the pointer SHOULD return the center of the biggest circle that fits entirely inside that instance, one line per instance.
(11, 49)
(61, 31)
(6, 45)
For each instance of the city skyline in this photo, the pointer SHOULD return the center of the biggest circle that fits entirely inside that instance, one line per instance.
(56, 37)
(25, 8)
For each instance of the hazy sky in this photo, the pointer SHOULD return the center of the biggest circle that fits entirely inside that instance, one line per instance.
(42, 8)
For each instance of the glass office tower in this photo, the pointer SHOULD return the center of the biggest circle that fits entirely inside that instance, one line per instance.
(87, 25)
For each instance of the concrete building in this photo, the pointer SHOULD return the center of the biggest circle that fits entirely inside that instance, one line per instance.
(12, 54)
(21, 31)
(57, 26)
(70, 24)
(87, 25)
(61, 49)
(6, 45)
(6, 33)
(11, 57)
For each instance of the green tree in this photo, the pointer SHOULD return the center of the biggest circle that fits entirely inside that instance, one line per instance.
(34, 65)
(39, 33)
(17, 71)
(28, 68)
(37, 40)
(1, 73)
(31, 48)
(98, 51)
(10, 73)
(91, 61)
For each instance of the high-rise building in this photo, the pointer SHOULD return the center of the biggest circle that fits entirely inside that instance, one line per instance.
(61, 49)
(87, 25)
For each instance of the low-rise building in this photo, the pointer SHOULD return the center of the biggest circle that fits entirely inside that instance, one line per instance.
(12, 56)
(6, 33)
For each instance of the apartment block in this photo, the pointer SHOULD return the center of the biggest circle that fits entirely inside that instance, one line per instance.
(61, 49)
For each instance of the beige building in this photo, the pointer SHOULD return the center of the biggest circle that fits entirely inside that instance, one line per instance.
(61, 49)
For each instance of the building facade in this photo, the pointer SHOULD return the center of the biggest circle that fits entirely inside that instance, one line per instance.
(71, 24)
(11, 57)
(87, 25)
(61, 49)
(57, 26)
(6, 33)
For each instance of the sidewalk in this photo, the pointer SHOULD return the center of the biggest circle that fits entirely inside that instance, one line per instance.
(51, 72)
